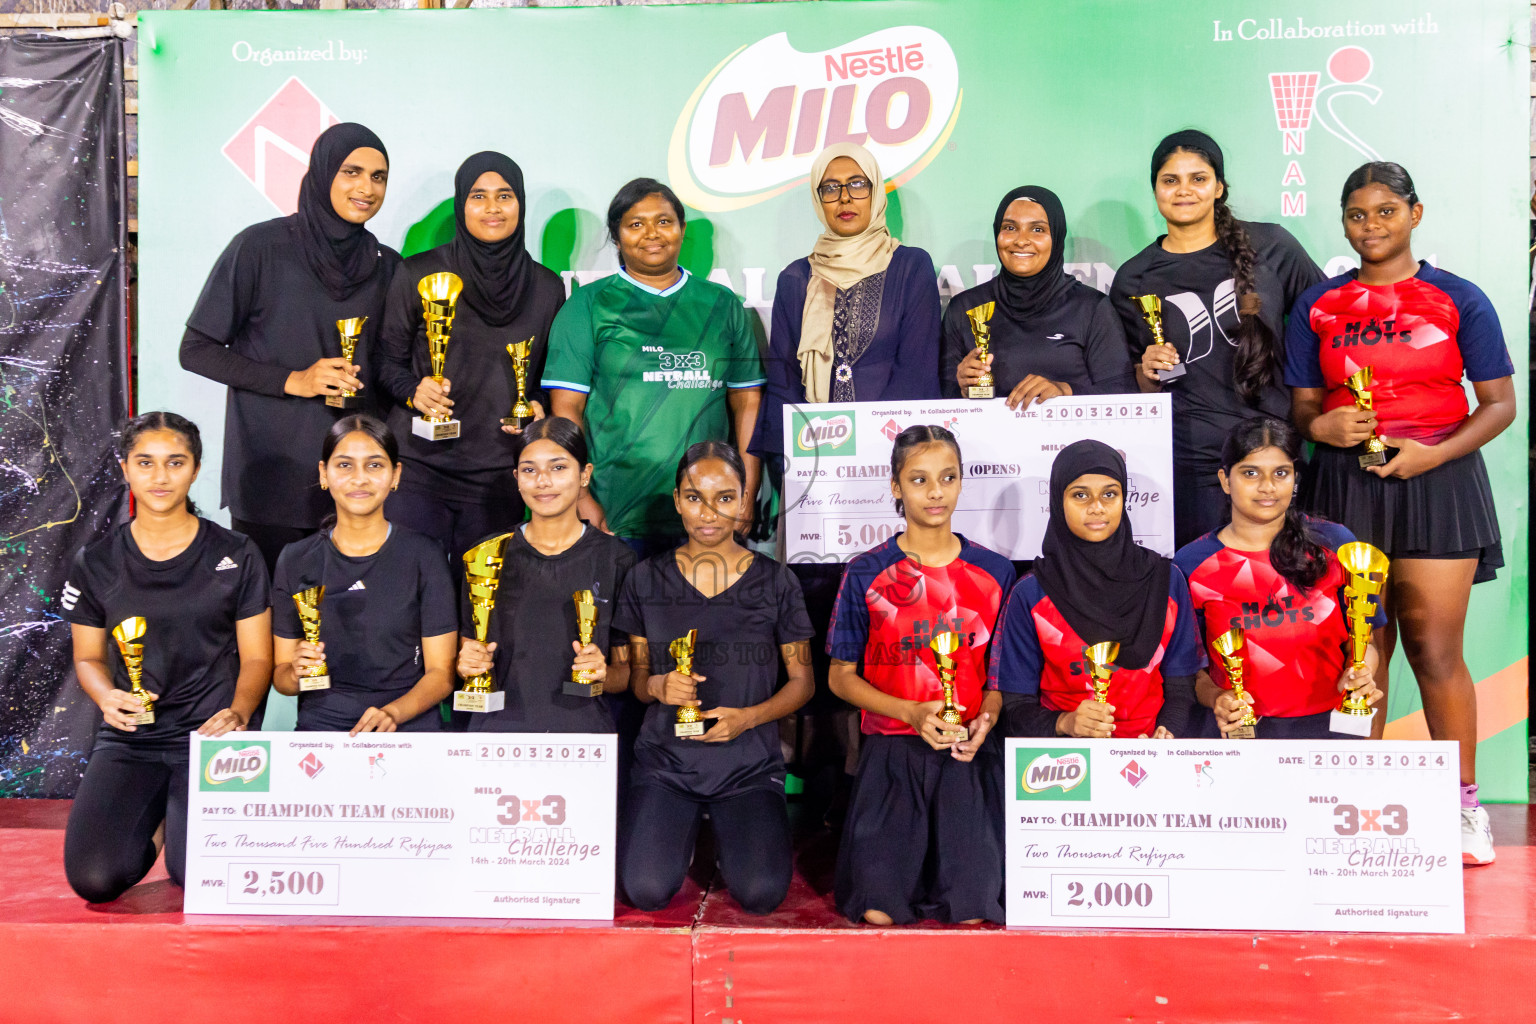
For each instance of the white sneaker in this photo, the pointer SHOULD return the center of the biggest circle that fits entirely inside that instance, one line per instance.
(1476, 836)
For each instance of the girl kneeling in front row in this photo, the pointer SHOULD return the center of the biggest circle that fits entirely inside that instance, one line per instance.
(923, 837)
(1094, 584)
(745, 614)
(1274, 573)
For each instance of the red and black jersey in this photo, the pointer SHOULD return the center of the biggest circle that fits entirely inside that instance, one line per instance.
(1296, 643)
(1419, 336)
(1038, 652)
(889, 608)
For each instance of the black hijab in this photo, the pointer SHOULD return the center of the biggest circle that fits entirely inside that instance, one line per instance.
(1023, 298)
(496, 274)
(342, 255)
(1113, 589)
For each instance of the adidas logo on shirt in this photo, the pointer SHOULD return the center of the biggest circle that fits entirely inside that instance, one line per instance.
(227, 563)
(357, 586)
(71, 595)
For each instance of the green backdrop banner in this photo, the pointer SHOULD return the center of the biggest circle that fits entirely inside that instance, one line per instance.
(960, 100)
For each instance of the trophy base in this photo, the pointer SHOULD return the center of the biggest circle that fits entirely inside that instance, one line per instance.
(1351, 724)
(307, 683)
(1173, 373)
(1242, 732)
(143, 718)
(520, 422)
(981, 391)
(1370, 459)
(431, 430)
(465, 700)
(683, 729)
(582, 689)
(344, 401)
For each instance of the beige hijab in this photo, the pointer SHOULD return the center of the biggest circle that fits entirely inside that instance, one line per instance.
(838, 263)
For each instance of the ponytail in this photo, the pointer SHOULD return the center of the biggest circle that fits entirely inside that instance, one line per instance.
(1295, 553)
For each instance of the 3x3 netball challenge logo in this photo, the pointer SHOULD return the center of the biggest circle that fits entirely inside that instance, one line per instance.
(753, 127)
(1301, 97)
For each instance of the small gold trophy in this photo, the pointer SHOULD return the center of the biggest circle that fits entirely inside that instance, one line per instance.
(983, 388)
(1101, 666)
(944, 646)
(482, 571)
(689, 721)
(581, 683)
(1367, 567)
(307, 602)
(439, 295)
(125, 633)
(1151, 307)
(1229, 647)
(522, 413)
(351, 332)
(1359, 384)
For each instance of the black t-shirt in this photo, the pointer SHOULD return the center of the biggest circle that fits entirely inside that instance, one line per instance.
(375, 611)
(482, 461)
(534, 623)
(1200, 320)
(264, 303)
(740, 631)
(1079, 341)
(189, 604)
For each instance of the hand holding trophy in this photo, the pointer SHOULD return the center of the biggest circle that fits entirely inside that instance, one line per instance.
(1101, 657)
(979, 317)
(482, 572)
(1367, 567)
(351, 332)
(317, 677)
(1229, 648)
(522, 412)
(1359, 385)
(1151, 307)
(690, 722)
(439, 298)
(944, 645)
(126, 633)
(581, 683)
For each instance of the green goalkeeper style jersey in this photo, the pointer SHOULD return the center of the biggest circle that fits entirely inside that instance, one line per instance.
(655, 367)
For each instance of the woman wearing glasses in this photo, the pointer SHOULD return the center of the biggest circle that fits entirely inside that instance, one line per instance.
(856, 321)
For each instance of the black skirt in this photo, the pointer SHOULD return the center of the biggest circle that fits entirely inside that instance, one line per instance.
(1448, 510)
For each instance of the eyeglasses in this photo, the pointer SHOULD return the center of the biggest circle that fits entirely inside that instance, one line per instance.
(831, 191)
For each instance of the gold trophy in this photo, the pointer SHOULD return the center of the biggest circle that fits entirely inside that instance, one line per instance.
(1101, 666)
(689, 721)
(125, 633)
(944, 646)
(522, 413)
(1151, 307)
(1229, 647)
(1367, 568)
(1359, 384)
(439, 295)
(351, 332)
(482, 571)
(581, 683)
(308, 604)
(983, 388)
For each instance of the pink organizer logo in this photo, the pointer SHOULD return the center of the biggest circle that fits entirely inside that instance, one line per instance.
(272, 148)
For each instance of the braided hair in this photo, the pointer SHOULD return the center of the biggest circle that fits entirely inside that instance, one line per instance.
(1295, 552)
(1257, 362)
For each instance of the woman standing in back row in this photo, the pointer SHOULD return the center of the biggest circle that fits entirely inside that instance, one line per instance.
(1224, 287)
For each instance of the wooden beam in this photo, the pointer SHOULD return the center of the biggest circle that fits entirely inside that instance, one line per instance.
(130, 106)
(459, 5)
(333, 5)
(183, 5)
(53, 20)
(133, 168)
(429, 5)
(130, 72)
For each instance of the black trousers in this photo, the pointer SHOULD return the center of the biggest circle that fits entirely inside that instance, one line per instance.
(270, 541)
(125, 795)
(453, 522)
(1304, 727)
(751, 835)
(924, 834)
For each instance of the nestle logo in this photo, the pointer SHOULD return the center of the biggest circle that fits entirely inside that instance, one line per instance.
(875, 62)
(272, 148)
(311, 765)
(1134, 773)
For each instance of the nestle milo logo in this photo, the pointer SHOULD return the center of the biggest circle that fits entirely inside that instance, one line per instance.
(237, 766)
(1052, 775)
(824, 433)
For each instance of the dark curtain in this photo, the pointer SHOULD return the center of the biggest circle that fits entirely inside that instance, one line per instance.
(63, 381)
